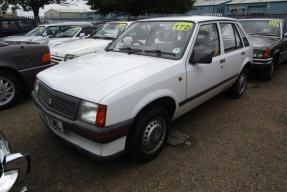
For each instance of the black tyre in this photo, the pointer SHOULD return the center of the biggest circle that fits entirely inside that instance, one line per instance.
(268, 72)
(239, 87)
(149, 134)
(10, 89)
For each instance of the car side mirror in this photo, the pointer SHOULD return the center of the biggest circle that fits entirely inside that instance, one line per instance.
(82, 35)
(108, 46)
(201, 54)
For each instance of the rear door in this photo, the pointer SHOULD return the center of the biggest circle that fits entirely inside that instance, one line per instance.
(234, 51)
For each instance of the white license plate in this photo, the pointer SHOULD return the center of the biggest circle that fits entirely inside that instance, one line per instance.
(53, 123)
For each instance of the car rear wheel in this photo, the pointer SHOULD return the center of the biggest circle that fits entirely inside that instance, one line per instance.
(239, 87)
(10, 89)
(148, 135)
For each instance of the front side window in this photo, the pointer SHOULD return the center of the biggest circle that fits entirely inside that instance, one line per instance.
(37, 31)
(262, 27)
(228, 36)
(68, 32)
(52, 31)
(166, 39)
(110, 31)
(208, 36)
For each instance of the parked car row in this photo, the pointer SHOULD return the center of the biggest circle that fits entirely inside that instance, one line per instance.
(116, 90)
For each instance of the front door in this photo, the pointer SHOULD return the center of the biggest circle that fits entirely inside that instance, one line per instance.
(204, 80)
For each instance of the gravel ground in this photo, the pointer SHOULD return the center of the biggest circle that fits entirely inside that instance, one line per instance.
(235, 145)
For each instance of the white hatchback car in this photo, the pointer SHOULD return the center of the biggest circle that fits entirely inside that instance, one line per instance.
(96, 42)
(123, 98)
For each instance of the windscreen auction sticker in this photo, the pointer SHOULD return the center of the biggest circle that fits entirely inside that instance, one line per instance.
(274, 23)
(122, 25)
(182, 26)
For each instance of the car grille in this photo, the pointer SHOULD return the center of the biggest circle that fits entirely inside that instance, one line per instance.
(62, 104)
(57, 59)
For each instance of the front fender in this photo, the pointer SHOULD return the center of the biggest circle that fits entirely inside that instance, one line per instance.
(149, 98)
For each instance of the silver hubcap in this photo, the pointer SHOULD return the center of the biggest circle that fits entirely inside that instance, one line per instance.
(7, 91)
(242, 83)
(153, 136)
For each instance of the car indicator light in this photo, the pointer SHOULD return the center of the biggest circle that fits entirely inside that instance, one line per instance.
(46, 58)
(266, 54)
(101, 116)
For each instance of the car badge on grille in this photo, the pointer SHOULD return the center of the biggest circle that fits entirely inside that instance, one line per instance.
(50, 101)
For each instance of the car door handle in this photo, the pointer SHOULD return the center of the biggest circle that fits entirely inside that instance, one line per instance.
(242, 53)
(222, 60)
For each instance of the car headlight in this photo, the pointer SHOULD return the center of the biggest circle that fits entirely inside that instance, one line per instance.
(262, 54)
(93, 113)
(36, 86)
(69, 57)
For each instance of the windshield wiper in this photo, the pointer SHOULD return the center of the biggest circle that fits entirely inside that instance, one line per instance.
(130, 50)
(159, 52)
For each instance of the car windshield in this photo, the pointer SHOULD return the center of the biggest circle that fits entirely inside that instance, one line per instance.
(110, 31)
(262, 27)
(70, 31)
(164, 39)
(37, 31)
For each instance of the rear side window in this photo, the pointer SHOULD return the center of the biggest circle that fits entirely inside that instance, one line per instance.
(239, 43)
(243, 36)
(230, 37)
(208, 36)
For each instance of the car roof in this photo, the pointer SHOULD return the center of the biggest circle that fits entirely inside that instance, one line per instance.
(260, 19)
(128, 22)
(69, 24)
(191, 18)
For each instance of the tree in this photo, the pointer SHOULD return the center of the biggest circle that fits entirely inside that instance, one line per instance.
(139, 7)
(3, 6)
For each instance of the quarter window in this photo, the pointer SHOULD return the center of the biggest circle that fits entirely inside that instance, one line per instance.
(208, 36)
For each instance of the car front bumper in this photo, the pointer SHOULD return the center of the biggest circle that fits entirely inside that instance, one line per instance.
(257, 62)
(102, 143)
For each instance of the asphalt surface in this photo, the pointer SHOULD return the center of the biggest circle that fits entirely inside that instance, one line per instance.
(235, 145)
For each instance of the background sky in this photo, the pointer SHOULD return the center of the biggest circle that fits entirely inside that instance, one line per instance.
(77, 4)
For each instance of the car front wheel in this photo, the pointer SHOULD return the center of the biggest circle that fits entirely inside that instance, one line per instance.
(148, 135)
(9, 89)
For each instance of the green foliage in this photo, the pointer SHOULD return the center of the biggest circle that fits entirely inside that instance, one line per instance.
(3, 6)
(32, 5)
(139, 7)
